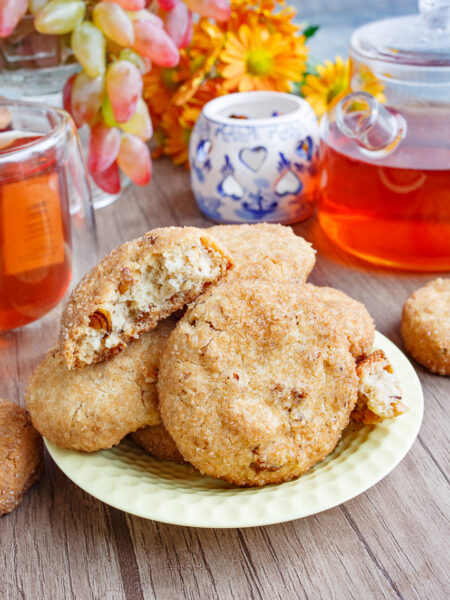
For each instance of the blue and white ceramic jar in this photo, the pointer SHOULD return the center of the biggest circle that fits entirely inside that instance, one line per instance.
(254, 158)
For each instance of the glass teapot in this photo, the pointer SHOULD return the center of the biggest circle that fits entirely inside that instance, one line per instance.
(385, 183)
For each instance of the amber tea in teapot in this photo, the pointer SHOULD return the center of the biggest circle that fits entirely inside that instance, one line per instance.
(385, 177)
(394, 212)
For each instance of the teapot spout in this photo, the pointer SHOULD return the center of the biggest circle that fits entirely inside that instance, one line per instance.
(375, 128)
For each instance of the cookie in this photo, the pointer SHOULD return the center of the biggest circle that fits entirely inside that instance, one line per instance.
(266, 250)
(256, 382)
(95, 407)
(425, 326)
(136, 286)
(155, 440)
(20, 455)
(352, 316)
(379, 392)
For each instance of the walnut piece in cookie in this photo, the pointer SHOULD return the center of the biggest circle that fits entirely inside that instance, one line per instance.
(20, 455)
(136, 286)
(425, 326)
(379, 392)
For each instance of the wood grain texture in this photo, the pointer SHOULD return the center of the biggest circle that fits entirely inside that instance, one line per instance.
(388, 543)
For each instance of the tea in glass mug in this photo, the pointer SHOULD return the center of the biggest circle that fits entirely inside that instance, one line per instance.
(42, 179)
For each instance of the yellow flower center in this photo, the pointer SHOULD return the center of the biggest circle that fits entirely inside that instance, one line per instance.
(259, 62)
(335, 90)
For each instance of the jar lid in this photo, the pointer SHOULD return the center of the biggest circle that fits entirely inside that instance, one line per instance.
(421, 40)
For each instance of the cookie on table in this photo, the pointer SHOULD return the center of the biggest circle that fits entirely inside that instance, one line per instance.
(155, 440)
(95, 407)
(379, 391)
(136, 286)
(425, 326)
(352, 316)
(256, 383)
(20, 455)
(266, 250)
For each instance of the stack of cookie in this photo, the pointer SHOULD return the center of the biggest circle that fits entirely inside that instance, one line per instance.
(253, 384)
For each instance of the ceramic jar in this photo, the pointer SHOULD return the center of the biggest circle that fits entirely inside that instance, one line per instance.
(254, 158)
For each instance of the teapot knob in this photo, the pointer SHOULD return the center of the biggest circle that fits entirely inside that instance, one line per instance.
(375, 128)
(435, 14)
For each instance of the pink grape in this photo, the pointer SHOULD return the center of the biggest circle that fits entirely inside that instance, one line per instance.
(149, 16)
(11, 11)
(187, 38)
(109, 179)
(114, 22)
(167, 4)
(140, 123)
(129, 4)
(153, 42)
(103, 148)
(87, 97)
(214, 9)
(143, 63)
(134, 159)
(89, 46)
(176, 22)
(124, 86)
(67, 94)
(59, 16)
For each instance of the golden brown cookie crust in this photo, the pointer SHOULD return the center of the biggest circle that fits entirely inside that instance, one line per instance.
(155, 440)
(256, 382)
(95, 407)
(21, 451)
(350, 315)
(267, 251)
(425, 326)
(136, 286)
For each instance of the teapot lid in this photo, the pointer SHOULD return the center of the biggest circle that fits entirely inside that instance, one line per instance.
(420, 40)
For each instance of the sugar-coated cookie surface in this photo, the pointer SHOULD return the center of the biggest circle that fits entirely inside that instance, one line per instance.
(20, 455)
(95, 407)
(256, 382)
(155, 440)
(136, 286)
(352, 316)
(266, 250)
(425, 326)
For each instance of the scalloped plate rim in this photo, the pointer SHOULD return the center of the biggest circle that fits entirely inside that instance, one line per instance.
(396, 356)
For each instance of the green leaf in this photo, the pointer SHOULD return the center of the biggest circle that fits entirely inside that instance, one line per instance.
(310, 31)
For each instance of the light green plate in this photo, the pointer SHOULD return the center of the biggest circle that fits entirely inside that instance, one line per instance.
(129, 479)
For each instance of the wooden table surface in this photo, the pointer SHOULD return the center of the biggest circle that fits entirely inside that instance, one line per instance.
(387, 543)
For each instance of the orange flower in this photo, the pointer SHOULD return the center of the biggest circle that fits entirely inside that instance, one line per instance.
(161, 83)
(177, 134)
(256, 59)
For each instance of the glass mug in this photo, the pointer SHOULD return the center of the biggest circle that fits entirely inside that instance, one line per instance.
(47, 226)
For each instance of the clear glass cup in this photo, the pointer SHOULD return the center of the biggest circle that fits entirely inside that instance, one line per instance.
(47, 226)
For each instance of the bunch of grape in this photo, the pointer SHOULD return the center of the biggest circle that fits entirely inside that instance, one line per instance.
(115, 42)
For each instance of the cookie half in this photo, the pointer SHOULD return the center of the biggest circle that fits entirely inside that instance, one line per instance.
(425, 326)
(95, 407)
(256, 382)
(20, 455)
(136, 286)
